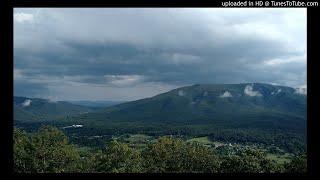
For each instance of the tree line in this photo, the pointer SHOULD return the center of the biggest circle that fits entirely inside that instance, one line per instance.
(49, 151)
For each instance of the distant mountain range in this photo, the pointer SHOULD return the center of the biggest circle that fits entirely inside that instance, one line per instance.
(39, 110)
(205, 106)
(221, 105)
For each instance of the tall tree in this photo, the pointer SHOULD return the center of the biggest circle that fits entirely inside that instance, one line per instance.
(53, 152)
(175, 155)
(117, 158)
(22, 152)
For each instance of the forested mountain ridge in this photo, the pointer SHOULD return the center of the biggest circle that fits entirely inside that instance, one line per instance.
(39, 110)
(222, 105)
(97, 104)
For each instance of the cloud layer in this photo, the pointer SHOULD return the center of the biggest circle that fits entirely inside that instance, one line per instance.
(131, 53)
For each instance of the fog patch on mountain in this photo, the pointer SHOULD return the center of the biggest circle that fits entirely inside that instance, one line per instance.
(226, 94)
(276, 92)
(301, 90)
(248, 90)
(181, 93)
(26, 103)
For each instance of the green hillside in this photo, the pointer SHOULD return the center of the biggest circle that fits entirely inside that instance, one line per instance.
(36, 110)
(203, 105)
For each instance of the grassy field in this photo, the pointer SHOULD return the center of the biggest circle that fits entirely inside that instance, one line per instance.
(206, 141)
(139, 138)
(138, 141)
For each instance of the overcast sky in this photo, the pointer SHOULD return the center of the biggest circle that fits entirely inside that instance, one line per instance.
(131, 53)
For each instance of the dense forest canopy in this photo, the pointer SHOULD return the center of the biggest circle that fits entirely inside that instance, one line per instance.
(48, 150)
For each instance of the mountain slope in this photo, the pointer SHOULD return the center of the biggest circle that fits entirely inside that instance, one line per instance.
(35, 109)
(255, 105)
(97, 104)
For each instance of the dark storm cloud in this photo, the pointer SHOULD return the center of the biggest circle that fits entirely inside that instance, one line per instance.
(115, 52)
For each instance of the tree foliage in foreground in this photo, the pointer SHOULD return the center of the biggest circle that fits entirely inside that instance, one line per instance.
(48, 151)
(249, 161)
(297, 165)
(117, 158)
(175, 155)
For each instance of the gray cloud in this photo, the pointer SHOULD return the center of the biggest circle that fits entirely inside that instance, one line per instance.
(130, 53)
